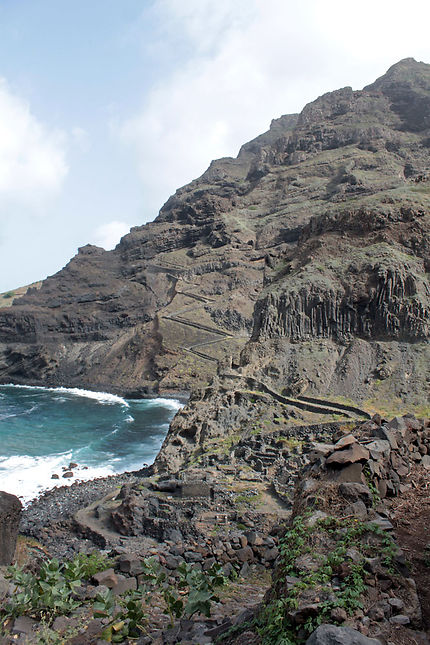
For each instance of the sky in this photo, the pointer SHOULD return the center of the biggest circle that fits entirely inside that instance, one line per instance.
(108, 106)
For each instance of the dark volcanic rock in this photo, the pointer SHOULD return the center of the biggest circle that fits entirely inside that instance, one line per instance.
(322, 223)
(10, 513)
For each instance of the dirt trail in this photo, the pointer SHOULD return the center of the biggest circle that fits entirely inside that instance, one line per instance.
(176, 317)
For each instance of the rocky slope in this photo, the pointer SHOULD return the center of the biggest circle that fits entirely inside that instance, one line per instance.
(309, 252)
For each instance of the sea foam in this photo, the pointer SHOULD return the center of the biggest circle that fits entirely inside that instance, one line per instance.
(27, 476)
(102, 397)
(172, 404)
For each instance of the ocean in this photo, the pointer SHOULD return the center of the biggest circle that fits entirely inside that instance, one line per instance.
(43, 430)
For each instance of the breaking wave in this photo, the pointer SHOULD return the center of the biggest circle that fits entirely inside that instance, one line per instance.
(102, 397)
(27, 476)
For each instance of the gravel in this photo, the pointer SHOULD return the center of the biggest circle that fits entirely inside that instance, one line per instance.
(49, 518)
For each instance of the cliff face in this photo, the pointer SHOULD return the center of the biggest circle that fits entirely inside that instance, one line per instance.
(308, 255)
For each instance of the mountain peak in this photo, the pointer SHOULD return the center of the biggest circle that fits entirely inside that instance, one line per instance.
(407, 70)
(407, 85)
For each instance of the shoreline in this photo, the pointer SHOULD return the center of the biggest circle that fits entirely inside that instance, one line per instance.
(57, 506)
(37, 497)
(132, 395)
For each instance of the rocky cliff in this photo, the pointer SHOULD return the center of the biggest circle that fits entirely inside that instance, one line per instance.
(304, 262)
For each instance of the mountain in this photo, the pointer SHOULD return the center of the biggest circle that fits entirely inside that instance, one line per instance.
(302, 264)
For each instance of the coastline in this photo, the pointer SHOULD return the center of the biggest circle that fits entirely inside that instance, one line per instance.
(125, 393)
(59, 505)
(31, 498)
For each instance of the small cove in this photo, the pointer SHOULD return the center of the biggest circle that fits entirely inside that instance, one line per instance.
(43, 430)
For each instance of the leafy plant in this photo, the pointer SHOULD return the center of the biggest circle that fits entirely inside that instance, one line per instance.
(197, 588)
(52, 592)
(127, 620)
(44, 596)
(201, 587)
(376, 496)
(274, 624)
(85, 566)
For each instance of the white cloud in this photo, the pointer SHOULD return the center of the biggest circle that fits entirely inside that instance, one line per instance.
(81, 138)
(238, 65)
(108, 235)
(32, 156)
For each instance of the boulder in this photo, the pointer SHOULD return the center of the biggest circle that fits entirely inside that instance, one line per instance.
(344, 442)
(106, 578)
(353, 492)
(379, 448)
(10, 513)
(350, 455)
(129, 563)
(334, 635)
(350, 473)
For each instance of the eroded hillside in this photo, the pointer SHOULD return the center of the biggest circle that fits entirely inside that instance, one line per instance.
(304, 263)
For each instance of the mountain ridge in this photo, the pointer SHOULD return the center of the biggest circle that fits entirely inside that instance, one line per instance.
(317, 232)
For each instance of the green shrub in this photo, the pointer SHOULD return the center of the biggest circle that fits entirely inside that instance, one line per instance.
(50, 593)
(85, 566)
(45, 595)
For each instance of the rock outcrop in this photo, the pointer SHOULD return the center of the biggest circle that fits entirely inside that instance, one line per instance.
(10, 514)
(339, 559)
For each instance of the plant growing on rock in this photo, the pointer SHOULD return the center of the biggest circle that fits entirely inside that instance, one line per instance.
(84, 566)
(331, 574)
(127, 618)
(45, 595)
(195, 589)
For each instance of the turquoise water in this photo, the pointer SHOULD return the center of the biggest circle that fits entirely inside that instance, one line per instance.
(42, 430)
